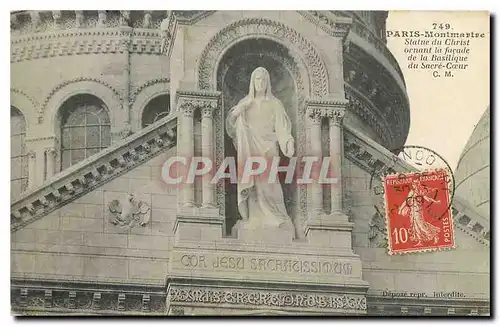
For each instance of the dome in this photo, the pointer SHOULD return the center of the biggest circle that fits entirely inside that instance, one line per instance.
(472, 176)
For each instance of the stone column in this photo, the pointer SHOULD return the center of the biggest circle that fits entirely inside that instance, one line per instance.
(335, 116)
(197, 221)
(186, 150)
(56, 15)
(51, 162)
(31, 169)
(315, 151)
(102, 18)
(207, 141)
(333, 228)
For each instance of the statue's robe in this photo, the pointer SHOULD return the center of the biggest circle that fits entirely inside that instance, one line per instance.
(257, 132)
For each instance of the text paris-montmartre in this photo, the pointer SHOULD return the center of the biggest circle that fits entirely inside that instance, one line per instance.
(434, 34)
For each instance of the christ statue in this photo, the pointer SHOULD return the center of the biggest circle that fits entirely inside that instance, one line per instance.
(259, 127)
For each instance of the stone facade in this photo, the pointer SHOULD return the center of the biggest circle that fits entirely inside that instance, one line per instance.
(68, 253)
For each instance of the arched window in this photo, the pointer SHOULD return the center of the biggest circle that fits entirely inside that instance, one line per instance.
(18, 155)
(85, 129)
(156, 109)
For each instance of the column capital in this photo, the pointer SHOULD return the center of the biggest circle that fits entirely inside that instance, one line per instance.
(32, 154)
(206, 102)
(314, 114)
(331, 108)
(50, 150)
(186, 108)
(336, 116)
(207, 112)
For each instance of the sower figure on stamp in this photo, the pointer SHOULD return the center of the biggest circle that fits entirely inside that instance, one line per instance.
(420, 230)
(258, 125)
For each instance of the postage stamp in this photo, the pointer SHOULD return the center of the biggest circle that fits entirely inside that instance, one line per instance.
(418, 213)
(422, 159)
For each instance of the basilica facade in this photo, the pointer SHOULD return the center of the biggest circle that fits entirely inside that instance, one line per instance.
(100, 100)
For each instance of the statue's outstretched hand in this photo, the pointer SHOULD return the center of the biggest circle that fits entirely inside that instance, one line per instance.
(290, 148)
(240, 108)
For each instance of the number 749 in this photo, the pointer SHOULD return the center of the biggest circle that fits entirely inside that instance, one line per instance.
(441, 26)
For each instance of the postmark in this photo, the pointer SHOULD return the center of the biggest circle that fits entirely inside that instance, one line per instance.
(418, 213)
(422, 159)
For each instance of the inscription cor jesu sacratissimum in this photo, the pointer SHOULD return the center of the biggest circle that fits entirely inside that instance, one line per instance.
(196, 261)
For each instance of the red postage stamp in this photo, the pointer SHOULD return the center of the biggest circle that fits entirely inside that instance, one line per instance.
(418, 211)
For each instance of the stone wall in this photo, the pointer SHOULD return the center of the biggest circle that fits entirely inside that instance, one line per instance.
(43, 79)
(77, 241)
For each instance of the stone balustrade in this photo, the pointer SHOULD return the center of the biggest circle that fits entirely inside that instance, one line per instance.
(90, 173)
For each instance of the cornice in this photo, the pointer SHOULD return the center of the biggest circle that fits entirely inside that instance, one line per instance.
(188, 102)
(184, 18)
(36, 139)
(198, 94)
(93, 172)
(86, 298)
(407, 306)
(336, 26)
(327, 103)
(104, 298)
(168, 29)
(88, 41)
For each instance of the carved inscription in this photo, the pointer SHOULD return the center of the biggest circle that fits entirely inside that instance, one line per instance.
(266, 264)
(267, 298)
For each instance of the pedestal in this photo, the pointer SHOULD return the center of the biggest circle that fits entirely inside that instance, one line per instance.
(247, 233)
(240, 276)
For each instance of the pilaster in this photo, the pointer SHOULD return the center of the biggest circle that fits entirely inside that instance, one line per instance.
(207, 138)
(50, 162)
(315, 118)
(31, 169)
(197, 220)
(38, 162)
(330, 227)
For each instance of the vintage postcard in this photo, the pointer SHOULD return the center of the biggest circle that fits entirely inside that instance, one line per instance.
(192, 163)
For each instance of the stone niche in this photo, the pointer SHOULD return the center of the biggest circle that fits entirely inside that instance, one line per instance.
(233, 80)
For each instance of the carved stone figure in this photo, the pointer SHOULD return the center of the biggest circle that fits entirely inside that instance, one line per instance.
(259, 125)
(130, 213)
(377, 233)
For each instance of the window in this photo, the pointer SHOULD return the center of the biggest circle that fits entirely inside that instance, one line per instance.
(156, 109)
(85, 129)
(18, 155)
